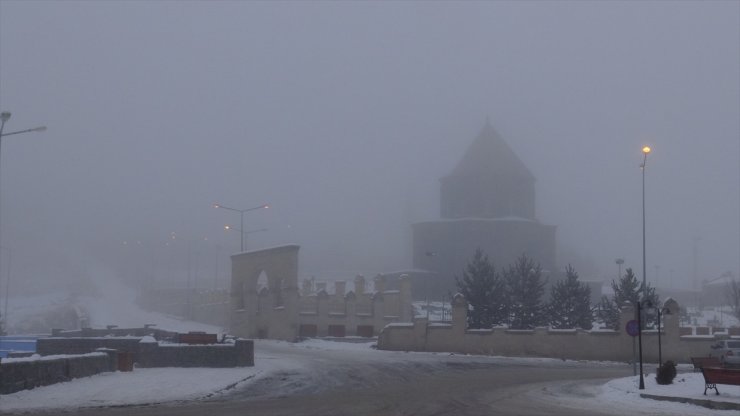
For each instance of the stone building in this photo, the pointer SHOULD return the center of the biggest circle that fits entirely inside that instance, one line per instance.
(486, 202)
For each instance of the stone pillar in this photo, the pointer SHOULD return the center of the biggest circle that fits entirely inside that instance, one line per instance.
(291, 300)
(459, 315)
(359, 285)
(407, 308)
(307, 287)
(244, 349)
(380, 283)
(147, 354)
(351, 312)
(378, 310)
(322, 313)
(340, 287)
(112, 358)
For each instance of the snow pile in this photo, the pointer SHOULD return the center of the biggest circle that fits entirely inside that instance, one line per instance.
(687, 385)
(141, 386)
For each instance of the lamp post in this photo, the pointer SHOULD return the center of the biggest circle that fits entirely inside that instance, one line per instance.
(645, 151)
(639, 341)
(241, 212)
(192, 283)
(661, 311)
(243, 232)
(619, 262)
(4, 117)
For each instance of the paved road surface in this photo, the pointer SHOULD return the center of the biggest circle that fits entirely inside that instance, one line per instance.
(343, 382)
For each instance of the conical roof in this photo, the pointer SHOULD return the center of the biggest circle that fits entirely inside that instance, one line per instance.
(490, 155)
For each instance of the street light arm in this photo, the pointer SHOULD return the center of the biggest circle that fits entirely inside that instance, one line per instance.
(263, 206)
(41, 128)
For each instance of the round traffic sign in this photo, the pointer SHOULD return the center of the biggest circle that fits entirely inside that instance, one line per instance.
(632, 327)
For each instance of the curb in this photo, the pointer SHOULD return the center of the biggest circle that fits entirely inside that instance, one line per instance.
(710, 404)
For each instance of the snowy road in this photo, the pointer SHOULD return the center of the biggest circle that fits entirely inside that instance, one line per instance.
(325, 378)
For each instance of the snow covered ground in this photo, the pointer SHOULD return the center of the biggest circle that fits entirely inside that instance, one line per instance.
(166, 385)
(163, 385)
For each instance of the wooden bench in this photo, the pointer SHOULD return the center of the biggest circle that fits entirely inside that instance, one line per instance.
(701, 362)
(718, 375)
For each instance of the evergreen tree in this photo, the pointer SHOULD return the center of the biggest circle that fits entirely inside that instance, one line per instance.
(608, 313)
(629, 289)
(570, 302)
(484, 291)
(525, 288)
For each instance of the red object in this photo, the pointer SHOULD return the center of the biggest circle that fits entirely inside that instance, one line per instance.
(197, 338)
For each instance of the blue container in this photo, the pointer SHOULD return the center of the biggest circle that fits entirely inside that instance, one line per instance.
(17, 343)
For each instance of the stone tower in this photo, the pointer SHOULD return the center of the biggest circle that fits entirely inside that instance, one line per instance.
(486, 202)
(489, 182)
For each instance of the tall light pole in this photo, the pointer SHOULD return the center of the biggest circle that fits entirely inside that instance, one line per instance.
(192, 279)
(4, 117)
(243, 232)
(241, 213)
(645, 151)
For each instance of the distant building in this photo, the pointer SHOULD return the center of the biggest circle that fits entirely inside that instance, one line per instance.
(486, 202)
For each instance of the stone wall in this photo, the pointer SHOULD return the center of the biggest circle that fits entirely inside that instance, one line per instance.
(114, 331)
(83, 345)
(147, 352)
(576, 344)
(238, 354)
(27, 373)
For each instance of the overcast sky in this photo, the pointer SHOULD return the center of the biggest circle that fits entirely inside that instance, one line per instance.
(344, 115)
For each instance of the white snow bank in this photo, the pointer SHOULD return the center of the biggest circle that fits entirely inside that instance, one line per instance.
(688, 385)
(141, 386)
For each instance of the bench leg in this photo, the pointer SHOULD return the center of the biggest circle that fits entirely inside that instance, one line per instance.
(710, 386)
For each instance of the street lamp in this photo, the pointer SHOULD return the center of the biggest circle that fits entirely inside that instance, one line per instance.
(661, 311)
(645, 151)
(619, 262)
(646, 304)
(243, 232)
(241, 212)
(192, 283)
(4, 117)
(639, 338)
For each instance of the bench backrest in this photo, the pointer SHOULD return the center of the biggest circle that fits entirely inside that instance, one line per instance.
(700, 362)
(715, 375)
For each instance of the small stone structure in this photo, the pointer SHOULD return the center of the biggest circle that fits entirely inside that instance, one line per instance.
(278, 310)
(145, 349)
(27, 373)
(576, 344)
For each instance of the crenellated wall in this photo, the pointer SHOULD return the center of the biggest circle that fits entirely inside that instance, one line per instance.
(280, 311)
(576, 344)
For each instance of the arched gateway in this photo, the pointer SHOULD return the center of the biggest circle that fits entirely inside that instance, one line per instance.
(259, 311)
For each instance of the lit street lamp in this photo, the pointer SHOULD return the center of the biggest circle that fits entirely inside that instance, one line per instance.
(243, 232)
(4, 117)
(645, 151)
(241, 212)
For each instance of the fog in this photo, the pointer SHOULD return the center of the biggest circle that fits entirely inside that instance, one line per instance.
(344, 115)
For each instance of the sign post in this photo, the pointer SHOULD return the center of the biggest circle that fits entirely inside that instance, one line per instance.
(633, 329)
